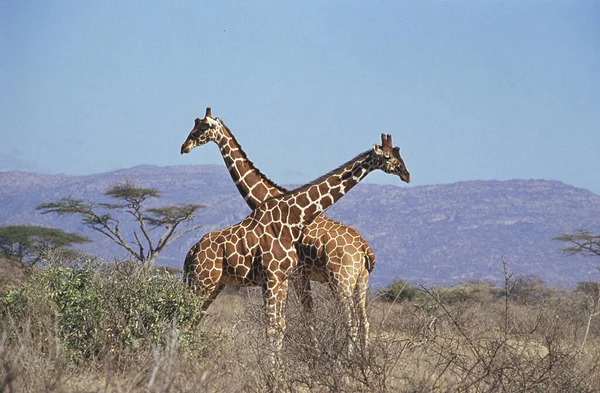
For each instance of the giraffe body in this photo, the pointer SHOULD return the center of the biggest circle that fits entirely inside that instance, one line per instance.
(261, 249)
(329, 251)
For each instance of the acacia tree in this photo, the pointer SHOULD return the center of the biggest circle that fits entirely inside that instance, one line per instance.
(585, 243)
(582, 242)
(28, 244)
(129, 201)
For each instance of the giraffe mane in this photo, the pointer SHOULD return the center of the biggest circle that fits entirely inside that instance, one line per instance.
(251, 164)
(331, 172)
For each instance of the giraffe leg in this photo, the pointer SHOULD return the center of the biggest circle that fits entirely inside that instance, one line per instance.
(352, 329)
(281, 296)
(301, 285)
(302, 288)
(360, 302)
(275, 296)
(279, 263)
(209, 295)
(343, 294)
(343, 282)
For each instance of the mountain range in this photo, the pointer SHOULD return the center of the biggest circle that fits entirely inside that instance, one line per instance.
(435, 235)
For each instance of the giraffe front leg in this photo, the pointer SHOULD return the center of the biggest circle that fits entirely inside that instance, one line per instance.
(282, 293)
(279, 266)
(272, 325)
(275, 297)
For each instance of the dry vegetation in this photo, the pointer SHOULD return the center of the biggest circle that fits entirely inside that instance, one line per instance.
(11, 273)
(468, 338)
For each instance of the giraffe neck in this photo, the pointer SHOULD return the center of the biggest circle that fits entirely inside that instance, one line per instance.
(319, 195)
(251, 183)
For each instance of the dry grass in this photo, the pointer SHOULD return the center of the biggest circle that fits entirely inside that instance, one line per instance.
(11, 273)
(441, 343)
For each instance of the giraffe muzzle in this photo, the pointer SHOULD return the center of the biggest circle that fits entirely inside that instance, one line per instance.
(185, 148)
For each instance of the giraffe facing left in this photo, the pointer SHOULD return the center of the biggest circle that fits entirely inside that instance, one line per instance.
(329, 251)
(260, 250)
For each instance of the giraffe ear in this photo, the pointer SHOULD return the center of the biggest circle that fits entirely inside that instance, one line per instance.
(378, 150)
(212, 122)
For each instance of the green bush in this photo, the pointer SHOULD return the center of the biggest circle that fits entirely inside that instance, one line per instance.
(77, 294)
(144, 304)
(93, 309)
(398, 290)
(28, 315)
(474, 291)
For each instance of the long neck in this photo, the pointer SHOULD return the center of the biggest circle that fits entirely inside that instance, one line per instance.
(252, 184)
(319, 195)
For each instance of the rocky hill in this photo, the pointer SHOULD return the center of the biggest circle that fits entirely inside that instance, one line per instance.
(436, 234)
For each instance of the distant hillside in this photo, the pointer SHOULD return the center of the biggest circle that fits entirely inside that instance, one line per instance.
(431, 234)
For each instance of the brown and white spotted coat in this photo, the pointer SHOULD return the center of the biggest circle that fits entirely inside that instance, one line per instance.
(329, 251)
(261, 249)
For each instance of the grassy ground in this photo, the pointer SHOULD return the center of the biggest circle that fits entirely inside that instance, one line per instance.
(469, 338)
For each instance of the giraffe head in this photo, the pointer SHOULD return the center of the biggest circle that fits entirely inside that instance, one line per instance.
(388, 158)
(204, 131)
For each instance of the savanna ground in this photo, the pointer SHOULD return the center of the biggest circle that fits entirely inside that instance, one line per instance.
(89, 327)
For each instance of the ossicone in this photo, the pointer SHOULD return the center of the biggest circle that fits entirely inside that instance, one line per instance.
(386, 141)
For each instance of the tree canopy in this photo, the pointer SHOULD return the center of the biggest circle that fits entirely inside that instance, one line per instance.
(127, 200)
(27, 243)
(581, 242)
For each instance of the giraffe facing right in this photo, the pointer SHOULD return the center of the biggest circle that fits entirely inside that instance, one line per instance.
(261, 250)
(329, 251)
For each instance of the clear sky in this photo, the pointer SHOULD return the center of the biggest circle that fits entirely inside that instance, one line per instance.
(468, 89)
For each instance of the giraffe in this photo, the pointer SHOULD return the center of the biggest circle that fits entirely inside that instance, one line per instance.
(260, 250)
(329, 251)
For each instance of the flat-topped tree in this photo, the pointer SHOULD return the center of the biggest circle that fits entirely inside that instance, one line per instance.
(129, 201)
(328, 252)
(261, 249)
(581, 242)
(29, 244)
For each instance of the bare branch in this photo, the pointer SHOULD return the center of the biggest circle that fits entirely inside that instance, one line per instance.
(139, 243)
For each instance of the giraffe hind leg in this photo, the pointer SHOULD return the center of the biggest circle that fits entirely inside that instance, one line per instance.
(302, 288)
(209, 296)
(343, 294)
(360, 303)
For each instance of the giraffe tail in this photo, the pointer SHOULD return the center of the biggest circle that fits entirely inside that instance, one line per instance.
(369, 258)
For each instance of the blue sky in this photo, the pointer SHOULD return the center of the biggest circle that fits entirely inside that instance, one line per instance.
(468, 89)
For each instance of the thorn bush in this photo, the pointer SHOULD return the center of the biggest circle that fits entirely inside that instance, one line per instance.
(98, 309)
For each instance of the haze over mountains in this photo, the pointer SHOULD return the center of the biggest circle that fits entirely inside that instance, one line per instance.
(437, 235)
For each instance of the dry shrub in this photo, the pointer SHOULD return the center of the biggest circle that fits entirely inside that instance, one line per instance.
(456, 339)
(491, 345)
(12, 273)
(314, 357)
